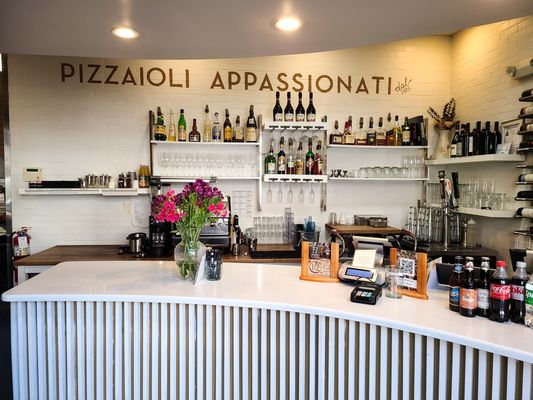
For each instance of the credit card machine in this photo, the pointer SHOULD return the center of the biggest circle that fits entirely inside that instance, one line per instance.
(366, 293)
(349, 273)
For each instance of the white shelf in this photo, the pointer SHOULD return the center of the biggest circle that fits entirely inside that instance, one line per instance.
(83, 192)
(380, 179)
(487, 213)
(186, 179)
(294, 126)
(295, 178)
(354, 147)
(231, 144)
(478, 159)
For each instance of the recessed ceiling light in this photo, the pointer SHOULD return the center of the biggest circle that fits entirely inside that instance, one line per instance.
(125, 33)
(288, 24)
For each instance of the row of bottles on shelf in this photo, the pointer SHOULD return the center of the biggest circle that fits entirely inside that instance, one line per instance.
(295, 163)
(288, 113)
(213, 130)
(475, 142)
(411, 133)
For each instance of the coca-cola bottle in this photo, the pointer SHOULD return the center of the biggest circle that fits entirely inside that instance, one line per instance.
(468, 292)
(518, 289)
(500, 294)
(483, 287)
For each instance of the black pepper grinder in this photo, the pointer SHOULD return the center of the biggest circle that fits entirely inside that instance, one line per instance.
(236, 247)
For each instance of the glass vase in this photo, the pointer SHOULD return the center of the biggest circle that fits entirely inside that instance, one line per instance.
(188, 253)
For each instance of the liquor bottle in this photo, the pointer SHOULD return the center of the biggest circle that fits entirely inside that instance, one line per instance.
(160, 129)
(335, 137)
(228, 130)
(208, 126)
(470, 136)
(482, 141)
(270, 161)
(459, 144)
(291, 159)
(238, 134)
(310, 112)
(497, 136)
(216, 131)
(347, 136)
(398, 138)
(455, 142)
(251, 127)
(277, 112)
(483, 287)
(500, 294)
(360, 134)
(518, 291)
(476, 133)
(371, 133)
(456, 281)
(318, 164)
(288, 113)
(391, 139)
(489, 139)
(282, 158)
(300, 110)
(182, 127)
(194, 135)
(299, 163)
(468, 292)
(309, 158)
(406, 133)
(172, 128)
(381, 136)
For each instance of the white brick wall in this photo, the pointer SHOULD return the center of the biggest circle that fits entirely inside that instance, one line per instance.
(70, 129)
(483, 92)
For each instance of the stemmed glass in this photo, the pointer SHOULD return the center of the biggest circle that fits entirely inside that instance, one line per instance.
(312, 195)
(269, 193)
(289, 194)
(301, 194)
(279, 194)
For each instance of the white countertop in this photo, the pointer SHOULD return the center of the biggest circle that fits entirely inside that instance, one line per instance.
(273, 287)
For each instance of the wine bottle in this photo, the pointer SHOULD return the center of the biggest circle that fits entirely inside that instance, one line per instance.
(381, 138)
(172, 128)
(476, 136)
(468, 146)
(291, 159)
(282, 158)
(160, 129)
(491, 141)
(194, 135)
(335, 137)
(460, 142)
(389, 129)
(182, 127)
(277, 112)
(300, 110)
(251, 127)
(216, 130)
(483, 137)
(498, 138)
(371, 133)
(310, 112)
(309, 158)
(318, 164)
(288, 113)
(397, 132)
(238, 134)
(208, 126)
(406, 133)
(453, 145)
(299, 163)
(270, 161)
(228, 130)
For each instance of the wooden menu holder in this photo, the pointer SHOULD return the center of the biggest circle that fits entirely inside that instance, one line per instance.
(309, 267)
(421, 275)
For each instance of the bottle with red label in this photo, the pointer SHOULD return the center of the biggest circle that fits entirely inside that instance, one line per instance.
(500, 294)
(518, 293)
(468, 291)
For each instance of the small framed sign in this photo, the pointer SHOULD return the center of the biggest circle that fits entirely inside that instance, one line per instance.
(510, 138)
(414, 266)
(320, 262)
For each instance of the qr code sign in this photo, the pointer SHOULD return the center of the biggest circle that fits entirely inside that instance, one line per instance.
(409, 267)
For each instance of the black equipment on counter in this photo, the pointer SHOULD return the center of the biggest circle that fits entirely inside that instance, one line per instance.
(366, 293)
(159, 238)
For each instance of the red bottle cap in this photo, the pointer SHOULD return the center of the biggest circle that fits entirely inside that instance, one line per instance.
(500, 264)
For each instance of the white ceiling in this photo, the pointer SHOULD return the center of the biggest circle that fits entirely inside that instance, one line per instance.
(232, 28)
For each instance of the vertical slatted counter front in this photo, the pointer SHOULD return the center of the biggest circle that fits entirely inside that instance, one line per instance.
(207, 346)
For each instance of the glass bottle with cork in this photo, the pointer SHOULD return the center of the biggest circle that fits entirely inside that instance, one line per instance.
(182, 127)
(208, 126)
(194, 135)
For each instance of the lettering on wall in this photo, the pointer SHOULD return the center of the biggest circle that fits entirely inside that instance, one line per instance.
(113, 74)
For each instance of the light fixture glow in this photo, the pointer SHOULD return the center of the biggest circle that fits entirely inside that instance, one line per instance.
(288, 24)
(125, 33)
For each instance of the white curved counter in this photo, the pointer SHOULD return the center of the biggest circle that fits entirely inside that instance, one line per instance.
(133, 329)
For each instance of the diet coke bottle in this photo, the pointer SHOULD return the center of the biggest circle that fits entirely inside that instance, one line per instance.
(500, 294)
(518, 293)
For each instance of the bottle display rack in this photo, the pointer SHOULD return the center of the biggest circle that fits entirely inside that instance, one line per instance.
(229, 144)
(294, 126)
(295, 178)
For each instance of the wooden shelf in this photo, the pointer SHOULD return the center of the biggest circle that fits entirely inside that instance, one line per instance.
(83, 192)
(379, 179)
(478, 159)
(241, 144)
(294, 126)
(295, 178)
(354, 147)
(526, 98)
(525, 116)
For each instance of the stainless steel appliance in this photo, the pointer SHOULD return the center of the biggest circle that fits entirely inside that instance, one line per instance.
(137, 243)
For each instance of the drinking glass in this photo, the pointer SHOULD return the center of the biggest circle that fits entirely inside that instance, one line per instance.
(393, 277)
(269, 193)
(279, 194)
(301, 195)
(290, 194)
(312, 196)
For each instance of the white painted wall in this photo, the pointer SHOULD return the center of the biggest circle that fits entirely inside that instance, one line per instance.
(483, 92)
(71, 129)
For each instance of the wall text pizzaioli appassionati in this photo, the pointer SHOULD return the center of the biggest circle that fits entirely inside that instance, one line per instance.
(113, 74)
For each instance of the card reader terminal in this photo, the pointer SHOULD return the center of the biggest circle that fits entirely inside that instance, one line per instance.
(366, 293)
